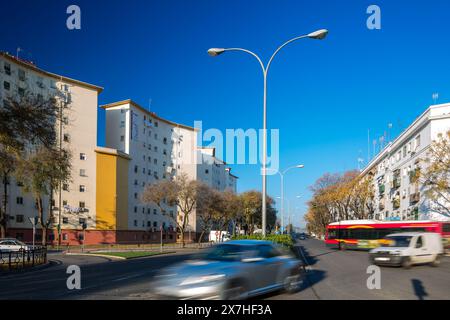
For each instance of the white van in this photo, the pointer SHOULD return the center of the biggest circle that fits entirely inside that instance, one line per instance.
(408, 248)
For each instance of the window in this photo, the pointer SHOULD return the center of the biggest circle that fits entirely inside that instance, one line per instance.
(122, 138)
(19, 218)
(82, 188)
(417, 142)
(404, 151)
(21, 75)
(148, 211)
(82, 204)
(7, 68)
(81, 236)
(65, 237)
(135, 209)
(83, 156)
(65, 187)
(156, 149)
(64, 202)
(6, 85)
(156, 123)
(122, 123)
(19, 200)
(65, 220)
(165, 140)
(135, 223)
(83, 172)
(82, 220)
(149, 224)
(155, 161)
(155, 224)
(143, 210)
(446, 227)
(206, 171)
(135, 195)
(154, 211)
(66, 137)
(21, 92)
(135, 169)
(419, 242)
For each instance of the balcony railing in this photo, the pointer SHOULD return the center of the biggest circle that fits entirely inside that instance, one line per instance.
(414, 198)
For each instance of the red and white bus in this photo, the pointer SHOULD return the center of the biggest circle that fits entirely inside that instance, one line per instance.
(368, 234)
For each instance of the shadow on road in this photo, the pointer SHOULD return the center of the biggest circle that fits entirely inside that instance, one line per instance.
(419, 289)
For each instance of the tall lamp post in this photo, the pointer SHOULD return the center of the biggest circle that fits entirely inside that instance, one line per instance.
(281, 174)
(319, 34)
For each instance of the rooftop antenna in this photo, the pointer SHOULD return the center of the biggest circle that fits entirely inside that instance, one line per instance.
(149, 104)
(17, 52)
(360, 163)
(435, 97)
(389, 132)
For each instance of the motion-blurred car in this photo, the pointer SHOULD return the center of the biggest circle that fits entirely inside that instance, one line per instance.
(408, 248)
(237, 269)
(11, 244)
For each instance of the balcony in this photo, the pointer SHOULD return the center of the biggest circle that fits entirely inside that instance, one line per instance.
(396, 203)
(396, 182)
(414, 198)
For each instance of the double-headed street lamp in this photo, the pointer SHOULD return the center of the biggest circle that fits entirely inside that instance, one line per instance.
(319, 34)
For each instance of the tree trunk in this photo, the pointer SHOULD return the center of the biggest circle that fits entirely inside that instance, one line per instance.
(201, 237)
(41, 220)
(3, 220)
(183, 244)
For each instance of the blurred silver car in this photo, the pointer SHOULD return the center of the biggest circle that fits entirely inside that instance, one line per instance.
(233, 270)
(11, 244)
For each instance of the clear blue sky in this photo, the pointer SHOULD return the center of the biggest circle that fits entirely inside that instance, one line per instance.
(323, 95)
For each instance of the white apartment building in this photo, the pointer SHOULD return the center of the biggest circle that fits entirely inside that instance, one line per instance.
(78, 198)
(158, 149)
(396, 196)
(213, 171)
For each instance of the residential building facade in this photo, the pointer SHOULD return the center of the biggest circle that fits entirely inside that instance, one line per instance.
(398, 195)
(76, 203)
(158, 149)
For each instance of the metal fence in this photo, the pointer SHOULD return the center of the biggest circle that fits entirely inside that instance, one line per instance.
(21, 259)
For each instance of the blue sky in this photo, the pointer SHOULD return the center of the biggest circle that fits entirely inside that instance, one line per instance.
(323, 95)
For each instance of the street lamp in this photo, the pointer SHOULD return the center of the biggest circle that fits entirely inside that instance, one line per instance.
(282, 173)
(319, 35)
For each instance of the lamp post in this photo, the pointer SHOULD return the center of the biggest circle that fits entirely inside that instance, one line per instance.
(281, 174)
(319, 34)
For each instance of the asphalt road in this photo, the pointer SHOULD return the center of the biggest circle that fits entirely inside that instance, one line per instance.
(331, 274)
(101, 278)
(342, 275)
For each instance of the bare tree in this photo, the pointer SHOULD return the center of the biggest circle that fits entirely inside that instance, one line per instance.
(25, 121)
(181, 192)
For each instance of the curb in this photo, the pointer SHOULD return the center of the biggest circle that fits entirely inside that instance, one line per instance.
(32, 269)
(95, 255)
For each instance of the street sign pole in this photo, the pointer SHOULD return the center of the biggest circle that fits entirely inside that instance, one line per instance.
(161, 231)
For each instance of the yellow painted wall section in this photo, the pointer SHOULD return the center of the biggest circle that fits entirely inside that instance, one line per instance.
(122, 193)
(106, 191)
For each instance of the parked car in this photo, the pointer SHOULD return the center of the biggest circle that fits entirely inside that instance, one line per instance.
(11, 244)
(407, 249)
(236, 269)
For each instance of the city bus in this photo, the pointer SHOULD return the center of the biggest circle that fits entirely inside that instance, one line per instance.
(368, 234)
